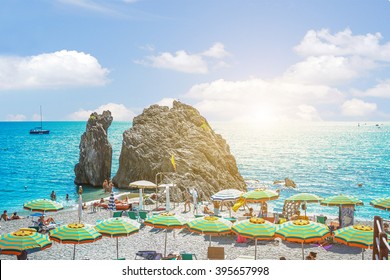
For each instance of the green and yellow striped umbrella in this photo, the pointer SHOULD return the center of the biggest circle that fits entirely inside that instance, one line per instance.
(74, 234)
(302, 231)
(260, 195)
(341, 200)
(210, 225)
(166, 221)
(355, 236)
(255, 228)
(43, 205)
(25, 239)
(305, 198)
(117, 227)
(381, 203)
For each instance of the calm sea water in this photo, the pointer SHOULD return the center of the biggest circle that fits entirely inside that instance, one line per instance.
(323, 158)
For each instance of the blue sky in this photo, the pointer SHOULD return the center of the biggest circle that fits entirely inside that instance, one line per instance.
(261, 61)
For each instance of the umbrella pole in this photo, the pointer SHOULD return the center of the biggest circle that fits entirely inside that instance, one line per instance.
(117, 248)
(303, 253)
(74, 251)
(210, 240)
(362, 253)
(255, 248)
(165, 245)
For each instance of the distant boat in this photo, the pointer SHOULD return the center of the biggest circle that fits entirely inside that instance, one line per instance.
(39, 129)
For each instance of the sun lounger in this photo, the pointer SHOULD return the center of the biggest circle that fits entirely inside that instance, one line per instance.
(188, 256)
(148, 255)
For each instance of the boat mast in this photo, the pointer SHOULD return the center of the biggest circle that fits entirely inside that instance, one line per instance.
(40, 108)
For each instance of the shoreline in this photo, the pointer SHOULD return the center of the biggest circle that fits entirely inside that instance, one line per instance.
(178, 240)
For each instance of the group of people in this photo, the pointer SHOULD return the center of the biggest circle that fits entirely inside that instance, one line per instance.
(108, 185)
(5, 216)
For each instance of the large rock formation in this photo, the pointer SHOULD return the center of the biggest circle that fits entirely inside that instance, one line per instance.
(202, 157)
(95, 151)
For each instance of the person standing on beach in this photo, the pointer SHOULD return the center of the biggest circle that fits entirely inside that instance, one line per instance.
(105, 185)
(110, 186)
(187, 202)
(67, 197)
(80, 190)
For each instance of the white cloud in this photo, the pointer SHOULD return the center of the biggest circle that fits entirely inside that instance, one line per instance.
(118, 111)
(51, 70)
(316, 88)
(180, 61)
(381, 90)
(216, 51)
(328, 70)
(261, 100)
(358, 108)
(308, 113)
(344, 43)
(183, 61)
(17, 117)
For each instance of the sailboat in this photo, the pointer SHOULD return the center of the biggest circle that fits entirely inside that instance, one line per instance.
(39, 129)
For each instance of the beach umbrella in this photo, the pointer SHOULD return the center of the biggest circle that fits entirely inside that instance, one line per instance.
(165, 221)
(355, 236)
(111, 203)
(117, 227)
(381, 203)
(255, 228)
(25, 239)
(142, 185)
(75, 233)
(209, 225)
(340, 201)
(302, 231)
(43, 205)
(227, 195)
(260, 195)
(305, 198)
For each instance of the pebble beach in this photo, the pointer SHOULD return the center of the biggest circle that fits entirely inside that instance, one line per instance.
(179, 240)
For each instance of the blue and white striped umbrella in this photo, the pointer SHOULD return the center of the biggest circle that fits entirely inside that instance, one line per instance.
(111, 202)
(228, 194)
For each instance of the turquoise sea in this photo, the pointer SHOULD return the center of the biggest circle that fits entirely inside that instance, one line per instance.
(322, 158)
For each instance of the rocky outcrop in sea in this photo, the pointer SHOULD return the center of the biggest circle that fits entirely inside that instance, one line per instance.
(95, 151)
(203, 159)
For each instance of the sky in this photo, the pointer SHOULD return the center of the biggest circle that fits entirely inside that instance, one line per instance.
(233, 60)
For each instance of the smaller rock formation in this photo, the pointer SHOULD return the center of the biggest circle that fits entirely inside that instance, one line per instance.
(289, 183)
(95, 151)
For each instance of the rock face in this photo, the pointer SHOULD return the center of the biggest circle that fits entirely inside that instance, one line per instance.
(202, 157)
(95, 151)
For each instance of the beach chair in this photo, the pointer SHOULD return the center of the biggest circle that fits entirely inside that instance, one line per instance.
(117, 214)
(188, 256)
(132, 215)
(143, 215)
(321, 219)
(148, 255)
(216, 253)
